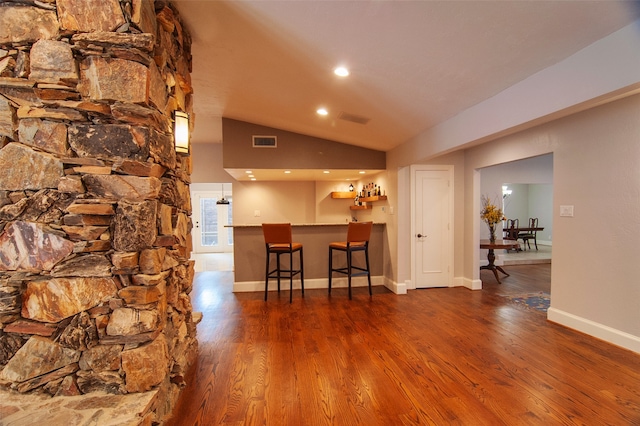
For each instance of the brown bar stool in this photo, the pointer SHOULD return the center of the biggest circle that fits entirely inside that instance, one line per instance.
(358, 234)
(277, 239)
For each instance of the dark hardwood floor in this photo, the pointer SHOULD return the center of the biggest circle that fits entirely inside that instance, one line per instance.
(436, 356)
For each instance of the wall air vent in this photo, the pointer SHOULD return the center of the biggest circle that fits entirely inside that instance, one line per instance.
(353, 118)
(265, 141)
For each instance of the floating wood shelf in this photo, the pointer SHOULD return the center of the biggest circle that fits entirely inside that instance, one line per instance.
(347, 194)
(360, 207)
(374, 198)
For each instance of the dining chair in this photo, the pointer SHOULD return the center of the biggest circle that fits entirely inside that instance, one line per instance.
(358, 234)
(278, 241)
(510, 232)
(531, 234)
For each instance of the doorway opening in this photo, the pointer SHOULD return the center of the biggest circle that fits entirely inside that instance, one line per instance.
(212, 234)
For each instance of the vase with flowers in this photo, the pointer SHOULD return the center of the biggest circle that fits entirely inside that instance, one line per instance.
(491, 215)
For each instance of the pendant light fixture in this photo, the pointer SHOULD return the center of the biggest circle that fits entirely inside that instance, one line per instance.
(222, 200)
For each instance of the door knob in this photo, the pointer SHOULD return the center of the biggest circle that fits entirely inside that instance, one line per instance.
(420, 235)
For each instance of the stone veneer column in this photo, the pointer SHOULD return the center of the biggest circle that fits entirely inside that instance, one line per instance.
(94, 203)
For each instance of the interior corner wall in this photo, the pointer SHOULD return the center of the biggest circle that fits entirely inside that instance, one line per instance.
(597, 170)
(207, 164)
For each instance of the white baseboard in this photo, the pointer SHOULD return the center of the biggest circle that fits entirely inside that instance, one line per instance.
(469, 283)
(600, 331)
(397, 288)
(309, 284)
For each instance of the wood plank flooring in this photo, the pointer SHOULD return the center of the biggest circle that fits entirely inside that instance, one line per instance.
(438, 356)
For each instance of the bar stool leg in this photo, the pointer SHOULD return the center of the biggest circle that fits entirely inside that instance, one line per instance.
(301, 273)
(278, 265)
(266, 278)
(366, 257)
(291, 277)
(330, 267)
(349, 270)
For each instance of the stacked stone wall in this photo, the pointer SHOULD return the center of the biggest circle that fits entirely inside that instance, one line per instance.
(94, 203)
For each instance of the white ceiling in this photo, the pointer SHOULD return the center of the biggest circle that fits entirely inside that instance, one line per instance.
(413, 64)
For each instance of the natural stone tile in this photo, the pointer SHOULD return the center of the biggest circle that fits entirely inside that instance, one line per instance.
(94, 170)
(134, 225)
(139, 168)
(9, 299)
(46, 378)
(128, 321)
(140, 115)
(109, 142)
(80, 334)
(23, 168)
(95, 15)
(85, 219)
(151, 260)
(181, 229)
(141, 295)
(91, 209)
(117, 187)
(143, 41)
(31, 327)
(9, 345)
(125, 260)
(37, 356)
(165, 226)
(101, 358)
(147, 366)
(103, 381)
(7, 118)
(143, 14)
(52, 62)
(157, 88)
(91, 246)
(175, 193)
(144, 279)
(27, 24)
(84, 233)
(71, 185)
(49, 136)
(162, 149)
(59, 298)
(54, 113)
(91, 265)
(26, 246)
(102, 79)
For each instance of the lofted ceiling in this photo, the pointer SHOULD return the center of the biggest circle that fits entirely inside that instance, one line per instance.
(413, 64)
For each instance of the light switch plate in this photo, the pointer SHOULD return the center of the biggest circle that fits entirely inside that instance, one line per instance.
(566, 211)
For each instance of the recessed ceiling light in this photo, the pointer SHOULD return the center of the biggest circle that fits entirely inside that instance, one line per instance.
(362, 172)
(341, 71)
(326, 172)
(248, 172)
(322, 111)
(253, 178)
(286, 172)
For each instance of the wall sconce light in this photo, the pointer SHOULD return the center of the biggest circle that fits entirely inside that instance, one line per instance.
(181, 132)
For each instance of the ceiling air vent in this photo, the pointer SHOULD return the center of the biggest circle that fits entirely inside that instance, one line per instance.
(353, 118)
(265, 141)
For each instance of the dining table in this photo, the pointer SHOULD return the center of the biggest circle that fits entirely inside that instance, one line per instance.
(491, 256)
(513, 232)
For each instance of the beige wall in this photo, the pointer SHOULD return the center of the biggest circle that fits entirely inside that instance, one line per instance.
(595, 270)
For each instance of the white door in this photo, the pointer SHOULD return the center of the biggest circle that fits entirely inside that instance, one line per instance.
(209, 219)
(432, 225)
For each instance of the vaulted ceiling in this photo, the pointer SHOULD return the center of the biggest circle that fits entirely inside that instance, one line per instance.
(413, 64)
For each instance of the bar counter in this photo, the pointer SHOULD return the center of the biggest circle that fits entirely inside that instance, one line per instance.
(249, 256)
